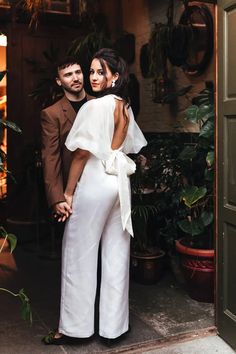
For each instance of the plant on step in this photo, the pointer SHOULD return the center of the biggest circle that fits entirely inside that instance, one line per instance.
(9, 239)
(197, 175)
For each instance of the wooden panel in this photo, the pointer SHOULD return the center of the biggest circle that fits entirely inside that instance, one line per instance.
(22, 46)
(230, 158)
(229, 256)
(231, 54)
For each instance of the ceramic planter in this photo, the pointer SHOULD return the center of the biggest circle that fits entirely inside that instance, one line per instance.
(199, 271)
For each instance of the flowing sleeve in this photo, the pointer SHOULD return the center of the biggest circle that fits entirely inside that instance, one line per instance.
(135, 139)
(93, 128)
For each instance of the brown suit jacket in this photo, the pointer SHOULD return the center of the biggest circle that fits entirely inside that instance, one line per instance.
(56, 122)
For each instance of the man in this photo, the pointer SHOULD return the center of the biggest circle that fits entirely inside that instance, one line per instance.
(56, 122)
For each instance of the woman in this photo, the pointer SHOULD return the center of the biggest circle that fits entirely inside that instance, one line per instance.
(98, 190)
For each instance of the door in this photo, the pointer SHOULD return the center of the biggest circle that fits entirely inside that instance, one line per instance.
(226, 148)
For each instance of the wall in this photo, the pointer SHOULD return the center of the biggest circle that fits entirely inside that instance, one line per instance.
(138, 17)
(26, 45)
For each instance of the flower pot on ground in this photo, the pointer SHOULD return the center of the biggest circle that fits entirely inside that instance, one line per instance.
(198, 268)
(147, 268)
(162, 170)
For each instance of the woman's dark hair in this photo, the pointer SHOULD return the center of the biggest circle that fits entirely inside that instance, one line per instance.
(117, 65)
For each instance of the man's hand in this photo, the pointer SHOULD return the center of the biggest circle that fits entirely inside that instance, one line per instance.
(61, 211)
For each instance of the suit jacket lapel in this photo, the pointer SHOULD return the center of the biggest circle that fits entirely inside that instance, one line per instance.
(68, 110)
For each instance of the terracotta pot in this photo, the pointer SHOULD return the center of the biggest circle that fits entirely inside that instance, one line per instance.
(199, 271)
(147, 269)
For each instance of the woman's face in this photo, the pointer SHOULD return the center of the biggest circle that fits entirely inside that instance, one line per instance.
(100, 80)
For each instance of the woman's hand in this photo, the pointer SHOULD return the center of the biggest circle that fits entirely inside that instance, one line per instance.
(62, 211)
(69, 200)
(66, 211)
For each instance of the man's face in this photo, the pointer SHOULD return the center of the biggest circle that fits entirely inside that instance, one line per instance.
(71, 79)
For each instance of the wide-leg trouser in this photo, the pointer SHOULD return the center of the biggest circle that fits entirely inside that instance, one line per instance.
(96, 216)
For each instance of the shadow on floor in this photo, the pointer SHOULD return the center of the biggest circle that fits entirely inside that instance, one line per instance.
(157, 311)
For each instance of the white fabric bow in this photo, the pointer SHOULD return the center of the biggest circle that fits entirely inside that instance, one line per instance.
(120, 165)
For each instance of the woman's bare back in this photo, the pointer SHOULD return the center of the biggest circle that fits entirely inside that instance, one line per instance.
(121, 122)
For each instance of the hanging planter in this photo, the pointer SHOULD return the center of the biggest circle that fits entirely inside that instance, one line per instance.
(157, 50)
(179, 40)
(144, 60)
(167, 41)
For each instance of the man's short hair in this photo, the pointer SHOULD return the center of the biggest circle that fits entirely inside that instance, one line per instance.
(65, 62)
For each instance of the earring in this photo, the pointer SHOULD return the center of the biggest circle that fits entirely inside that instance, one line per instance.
(113, 83)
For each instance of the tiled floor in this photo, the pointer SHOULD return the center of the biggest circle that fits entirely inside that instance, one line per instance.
(157, 312)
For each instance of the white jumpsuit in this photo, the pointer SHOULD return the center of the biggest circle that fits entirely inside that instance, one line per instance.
(101, 211)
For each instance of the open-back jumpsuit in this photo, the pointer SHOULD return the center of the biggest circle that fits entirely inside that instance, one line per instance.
(101, 212)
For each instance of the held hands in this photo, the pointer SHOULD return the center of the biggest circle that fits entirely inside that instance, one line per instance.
(62, 210)
(69, 199)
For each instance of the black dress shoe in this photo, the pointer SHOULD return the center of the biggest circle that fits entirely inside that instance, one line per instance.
(112, 341)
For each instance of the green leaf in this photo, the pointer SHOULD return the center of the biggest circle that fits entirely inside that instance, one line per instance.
(12, 240)
(207, 217)
(10, 124)
(191, 114)
(209, 175)
(143, 212)
(193, 194)
(207, 130)
(194, 227)
(26, 311)
(204, 110)
(188, 153)
(209, 116)
(201, 98)
(210, 158)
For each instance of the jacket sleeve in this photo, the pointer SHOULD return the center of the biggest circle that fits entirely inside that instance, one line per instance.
(51, 158)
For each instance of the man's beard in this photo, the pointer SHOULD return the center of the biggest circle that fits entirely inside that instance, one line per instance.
(74, 91)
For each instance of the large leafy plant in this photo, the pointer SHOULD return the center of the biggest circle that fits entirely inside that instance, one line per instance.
(197, 159)
(8, 239)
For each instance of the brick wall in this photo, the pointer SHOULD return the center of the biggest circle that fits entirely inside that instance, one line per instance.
(138, 17)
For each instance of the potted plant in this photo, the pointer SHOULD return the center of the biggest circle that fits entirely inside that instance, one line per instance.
(146, 255)
(196, 196)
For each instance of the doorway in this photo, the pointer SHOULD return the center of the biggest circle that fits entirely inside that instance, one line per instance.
(3, 114)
